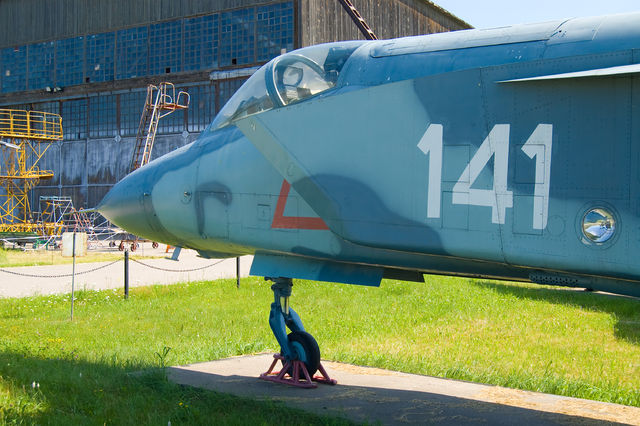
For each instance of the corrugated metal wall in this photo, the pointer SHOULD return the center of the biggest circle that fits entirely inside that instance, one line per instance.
(29, 21)
(323, 21)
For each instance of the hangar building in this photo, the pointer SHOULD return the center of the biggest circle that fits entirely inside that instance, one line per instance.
(90, 62)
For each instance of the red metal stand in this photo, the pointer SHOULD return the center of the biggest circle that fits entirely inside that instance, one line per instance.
(297, 379)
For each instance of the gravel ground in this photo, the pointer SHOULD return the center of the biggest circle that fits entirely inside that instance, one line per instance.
(153, 271)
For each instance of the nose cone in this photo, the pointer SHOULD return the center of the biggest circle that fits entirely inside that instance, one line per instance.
(127, 204)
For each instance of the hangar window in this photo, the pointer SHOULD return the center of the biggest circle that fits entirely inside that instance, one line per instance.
(165, 48)
(274, 30)
(100, 57)
(69, 60)
(131, 105)
(50, 107)
(74, 119)
(237, 37)
(102, 116)
(14, 69)
(201, 43)
(202, 107)
(132, 53)
(41, 65)
(227, 88)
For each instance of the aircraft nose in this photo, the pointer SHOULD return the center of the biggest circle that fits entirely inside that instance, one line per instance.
(125, 205)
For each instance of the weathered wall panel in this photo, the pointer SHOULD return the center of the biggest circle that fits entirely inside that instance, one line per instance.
(95, 193)
(90, 167)
(74, 163)
(325, 20)
(103, 157)
(77, 193)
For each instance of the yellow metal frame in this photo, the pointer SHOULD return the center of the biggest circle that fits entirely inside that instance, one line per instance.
(25, 137)
(37, 125)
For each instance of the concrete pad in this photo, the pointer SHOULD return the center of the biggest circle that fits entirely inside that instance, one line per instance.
(373, 395)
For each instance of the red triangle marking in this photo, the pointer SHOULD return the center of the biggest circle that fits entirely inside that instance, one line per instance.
(280, 221)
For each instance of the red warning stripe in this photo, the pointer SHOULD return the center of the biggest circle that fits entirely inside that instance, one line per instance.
(280, 221)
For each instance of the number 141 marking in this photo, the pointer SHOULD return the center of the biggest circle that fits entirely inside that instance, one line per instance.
(499, 198)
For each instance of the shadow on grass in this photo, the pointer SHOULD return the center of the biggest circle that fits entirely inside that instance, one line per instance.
(71, 391)
(625, 310)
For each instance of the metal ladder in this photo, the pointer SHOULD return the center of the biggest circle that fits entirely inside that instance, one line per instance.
(358, 20)
(161, 101)
(84, 224)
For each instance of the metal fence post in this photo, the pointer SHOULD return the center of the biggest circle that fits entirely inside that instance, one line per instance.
(237, 272)
(126, 274)
(73, 273)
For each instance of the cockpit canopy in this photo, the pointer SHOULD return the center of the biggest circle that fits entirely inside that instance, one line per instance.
(287, 79)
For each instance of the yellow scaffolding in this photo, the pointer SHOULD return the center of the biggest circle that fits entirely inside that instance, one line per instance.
(25, 136)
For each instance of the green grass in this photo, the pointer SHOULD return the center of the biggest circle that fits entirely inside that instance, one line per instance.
(522, 336)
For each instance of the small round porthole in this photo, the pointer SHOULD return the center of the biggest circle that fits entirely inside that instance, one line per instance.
(598, 225)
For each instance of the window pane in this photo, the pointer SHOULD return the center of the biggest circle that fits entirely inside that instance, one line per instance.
(100, 57)
(228, 88)
(41, 65)
(165, 48)
(202, 107)
(74, 119)
(274, 30)
(201, 43)
(14, 69)
(102, 116)
(132, 53)
(69, 60)
(237, 37)
(52, 107)
(131, 106)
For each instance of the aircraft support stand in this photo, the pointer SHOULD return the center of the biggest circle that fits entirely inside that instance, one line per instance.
(299, 351)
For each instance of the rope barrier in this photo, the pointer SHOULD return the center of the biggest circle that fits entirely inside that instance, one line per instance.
(177, 270)
(22, 274)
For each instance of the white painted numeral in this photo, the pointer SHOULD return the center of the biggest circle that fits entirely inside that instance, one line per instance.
(431, 144)
(539, 146)
(499, 198)
(496, 144)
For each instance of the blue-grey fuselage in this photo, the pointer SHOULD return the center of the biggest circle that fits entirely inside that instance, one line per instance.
(508, 153)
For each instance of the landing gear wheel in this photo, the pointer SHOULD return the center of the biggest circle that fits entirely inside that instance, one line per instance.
(306, 349)
(134, 246)
(121, 246)
(154, 245)
(112, 243)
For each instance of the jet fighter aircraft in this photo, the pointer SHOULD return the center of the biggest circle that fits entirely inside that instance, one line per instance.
(510, 153)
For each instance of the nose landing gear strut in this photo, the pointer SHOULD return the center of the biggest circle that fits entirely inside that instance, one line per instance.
(299, 351)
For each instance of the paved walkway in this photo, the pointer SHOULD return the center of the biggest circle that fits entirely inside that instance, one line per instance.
(374, 395)
(112, 276)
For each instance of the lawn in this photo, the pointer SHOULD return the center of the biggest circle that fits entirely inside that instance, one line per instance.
(516, 335)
